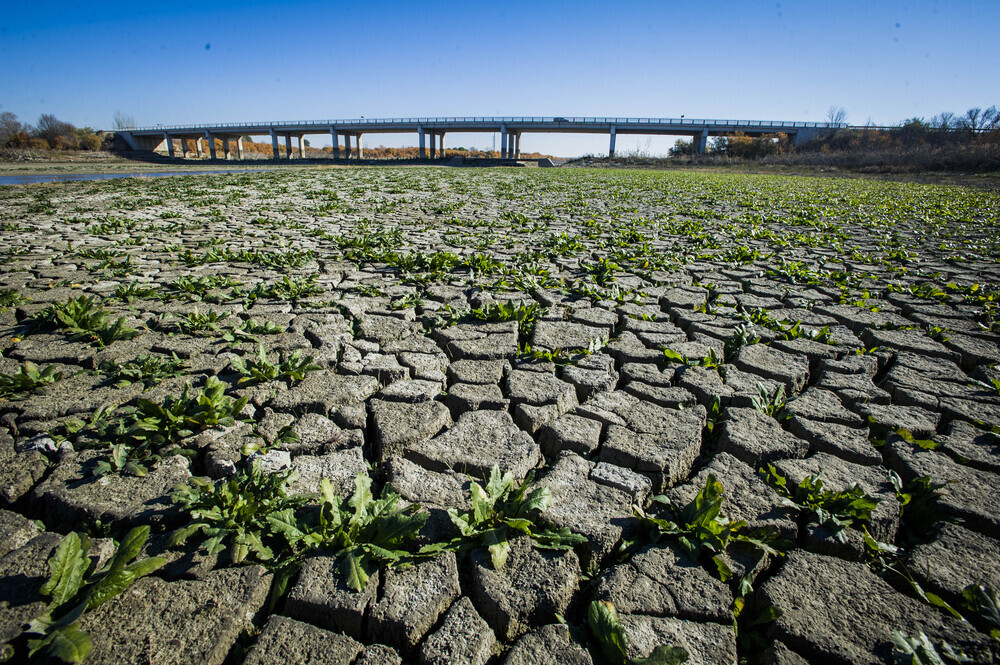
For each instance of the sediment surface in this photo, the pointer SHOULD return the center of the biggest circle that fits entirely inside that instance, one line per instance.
(614, 336)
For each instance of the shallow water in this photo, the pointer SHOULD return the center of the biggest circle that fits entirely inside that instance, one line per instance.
(65, 177)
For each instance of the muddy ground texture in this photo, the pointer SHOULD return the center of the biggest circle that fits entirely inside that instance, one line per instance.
(869, 307)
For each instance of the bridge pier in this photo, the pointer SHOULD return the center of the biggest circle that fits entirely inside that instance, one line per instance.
(239, 147)
(288, 146)
(701, 142)
(197, 145)
(803, 136)
(274, 144)
(611, 147)
(227, 154)
(302, 146)
(420, 140)
(335, 142)
(211, 144)
(170, 144)
(503, 143)
(433, 150)
(347, 146)
(517, 145)
(361, 148)
(443, 151)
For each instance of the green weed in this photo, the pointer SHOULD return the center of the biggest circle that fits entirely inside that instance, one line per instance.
(27, 379)
(75, 588)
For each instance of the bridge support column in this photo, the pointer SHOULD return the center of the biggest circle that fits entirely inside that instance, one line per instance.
(170, 144)
(302, 146)
(611, 147)
(226, 152)
(503, 143)
(239, 148)
(288, 146)
(517, 145)
(211, 144)
(420, 138)
(701, 142)
(433, 151)
(197, 145)
(443, 152)
(361, 148)
(335, 142)
(274, 144)
(347, 146)
(511, 136)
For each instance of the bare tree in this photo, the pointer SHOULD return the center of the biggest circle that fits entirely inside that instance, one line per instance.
(836, 116)
(943, 120)
(9, 126)
(54, 130)
(123, 120)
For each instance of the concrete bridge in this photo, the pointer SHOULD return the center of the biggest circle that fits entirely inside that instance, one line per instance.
(432, 131)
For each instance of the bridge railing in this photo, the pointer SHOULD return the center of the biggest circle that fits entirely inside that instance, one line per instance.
(494, 120)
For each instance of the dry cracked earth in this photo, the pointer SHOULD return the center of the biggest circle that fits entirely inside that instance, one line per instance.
(612, 337)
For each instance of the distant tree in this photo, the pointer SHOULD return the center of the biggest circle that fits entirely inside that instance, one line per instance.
(57, 134)
(682, 148)
(123, 120)
(836, 116)
(719, 145)
(10, 127)
(943, 120)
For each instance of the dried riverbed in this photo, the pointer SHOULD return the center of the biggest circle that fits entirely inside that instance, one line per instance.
(613, 336)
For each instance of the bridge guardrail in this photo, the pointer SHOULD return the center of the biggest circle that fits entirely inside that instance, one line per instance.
(556, 121)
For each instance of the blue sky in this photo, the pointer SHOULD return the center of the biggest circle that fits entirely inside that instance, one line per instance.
(181, 62)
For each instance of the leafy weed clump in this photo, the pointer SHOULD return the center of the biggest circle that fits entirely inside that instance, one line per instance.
(153, 431)
(364, 533)
(835, 510)
(146, 369)
(504, 508)
(234, 512)
(27, 379)
(74, 589)
(261, 370)
(83, 320)
(700, 528)
(289, 288)
(607, 642)
(11, 297)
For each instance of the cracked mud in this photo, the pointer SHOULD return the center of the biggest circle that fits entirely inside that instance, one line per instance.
(616, 336)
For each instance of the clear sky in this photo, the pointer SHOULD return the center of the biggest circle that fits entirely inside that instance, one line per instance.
(188, 62)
